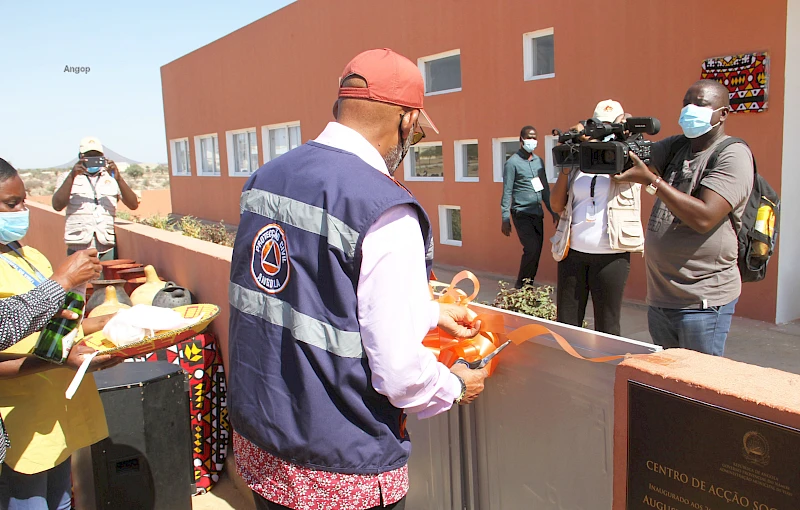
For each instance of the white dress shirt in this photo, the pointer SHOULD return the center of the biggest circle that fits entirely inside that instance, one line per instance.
(395, 310)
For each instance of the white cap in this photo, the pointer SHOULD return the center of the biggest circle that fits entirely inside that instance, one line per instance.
(608, 110)
(90, 143)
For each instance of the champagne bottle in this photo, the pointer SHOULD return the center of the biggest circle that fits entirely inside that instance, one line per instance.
(57, 337)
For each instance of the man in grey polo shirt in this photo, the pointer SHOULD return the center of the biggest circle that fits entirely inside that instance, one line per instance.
(90, 195)
(691, 246)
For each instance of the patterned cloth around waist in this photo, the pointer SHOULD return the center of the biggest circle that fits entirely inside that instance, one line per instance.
(302, 488)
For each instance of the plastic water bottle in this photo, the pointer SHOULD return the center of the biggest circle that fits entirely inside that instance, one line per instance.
(57, 337)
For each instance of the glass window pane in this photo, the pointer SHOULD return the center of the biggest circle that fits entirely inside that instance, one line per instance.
(253, 151)
(454, 224)
(216, 155)
(294, 137)
(278, 142)
(471, 160)
(241, 153)
(180, 158)
(428, 161)
(543, 55)
(509, 149)
(207, 150)
(443, 74)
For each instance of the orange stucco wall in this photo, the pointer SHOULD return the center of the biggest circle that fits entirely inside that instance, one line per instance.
(284, 68)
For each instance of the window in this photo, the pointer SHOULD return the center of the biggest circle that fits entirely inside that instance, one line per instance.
(441, 72)
(179, 155)
(450, 225)
(466, 160)
(242, 152)
(550, 170)
(539, 54)
(424, 162)
(280, 139)
(206, 149)
(502, 149)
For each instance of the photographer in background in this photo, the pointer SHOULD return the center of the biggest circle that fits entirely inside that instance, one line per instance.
(525, 189)
(90, 192)
(693, 280)
(600, 226)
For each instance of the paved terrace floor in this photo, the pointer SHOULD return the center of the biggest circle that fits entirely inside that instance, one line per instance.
(755, 342)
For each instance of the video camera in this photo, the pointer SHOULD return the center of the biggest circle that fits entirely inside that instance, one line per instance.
(610, 156)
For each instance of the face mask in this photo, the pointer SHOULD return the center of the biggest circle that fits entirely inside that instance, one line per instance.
(529, 145)
(13, 226)
(94, 169)
(696, 120)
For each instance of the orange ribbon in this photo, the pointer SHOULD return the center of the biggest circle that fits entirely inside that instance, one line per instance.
(492, 331)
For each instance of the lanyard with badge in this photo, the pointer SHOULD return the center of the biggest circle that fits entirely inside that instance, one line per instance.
(591, 211)
(535, 182)
(36, 279)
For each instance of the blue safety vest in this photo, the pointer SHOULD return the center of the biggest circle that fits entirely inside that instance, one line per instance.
(300, 384)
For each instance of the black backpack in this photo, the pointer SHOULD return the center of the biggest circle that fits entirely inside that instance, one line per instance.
(758, 235)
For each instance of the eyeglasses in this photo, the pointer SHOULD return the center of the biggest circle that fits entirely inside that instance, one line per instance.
(417, 136)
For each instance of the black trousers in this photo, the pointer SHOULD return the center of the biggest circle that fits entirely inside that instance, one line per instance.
(263, 504)
(530, 230)
(602, 275)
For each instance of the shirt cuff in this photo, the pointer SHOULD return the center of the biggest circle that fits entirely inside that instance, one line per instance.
(433, 314)
(53, 291)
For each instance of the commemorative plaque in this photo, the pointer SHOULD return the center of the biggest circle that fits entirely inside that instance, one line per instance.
(684, 454)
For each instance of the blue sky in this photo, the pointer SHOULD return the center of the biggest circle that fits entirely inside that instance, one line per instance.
(45, 112)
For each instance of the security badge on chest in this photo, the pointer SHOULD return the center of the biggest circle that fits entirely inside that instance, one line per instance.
(270, 259)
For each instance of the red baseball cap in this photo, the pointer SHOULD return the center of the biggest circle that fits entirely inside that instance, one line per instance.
(391, 78)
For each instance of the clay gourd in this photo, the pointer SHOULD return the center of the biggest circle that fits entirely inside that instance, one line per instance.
(144, 294)
(110, 304)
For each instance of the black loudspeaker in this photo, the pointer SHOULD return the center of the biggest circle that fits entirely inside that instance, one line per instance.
(146, 462)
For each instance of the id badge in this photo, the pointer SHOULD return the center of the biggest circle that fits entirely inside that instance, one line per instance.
(537, 184)
(591, 212)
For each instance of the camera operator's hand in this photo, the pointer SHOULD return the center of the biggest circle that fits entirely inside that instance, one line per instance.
(473, 380)
(506, 228)
(556, 218)
(638, 173)
(579, 128)
(79, 168)
(112, 168)
(79, 268)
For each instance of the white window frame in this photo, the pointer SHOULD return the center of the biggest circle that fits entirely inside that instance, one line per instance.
(550, 169)
(173, 153)
(444, 238)
(497, 156)
(407, 163)
(231, 150)
(199, 157)
(527, 54)
(421, 64)
(265, 136)
(460, 164)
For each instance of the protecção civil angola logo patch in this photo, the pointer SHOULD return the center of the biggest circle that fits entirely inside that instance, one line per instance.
(270, 262)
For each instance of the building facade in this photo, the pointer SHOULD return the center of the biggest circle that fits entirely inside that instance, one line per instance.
(490, 68)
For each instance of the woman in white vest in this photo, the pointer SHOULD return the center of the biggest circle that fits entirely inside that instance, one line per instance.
(90, 194)
(600, 226)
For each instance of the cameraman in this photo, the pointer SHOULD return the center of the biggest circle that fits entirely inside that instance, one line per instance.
(90, 194)
(693, 279)
(600, 226)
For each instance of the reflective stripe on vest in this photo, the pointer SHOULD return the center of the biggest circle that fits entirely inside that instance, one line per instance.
(303, 216)
(303, 328)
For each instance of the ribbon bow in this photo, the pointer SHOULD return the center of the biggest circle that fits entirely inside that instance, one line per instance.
(492, 331)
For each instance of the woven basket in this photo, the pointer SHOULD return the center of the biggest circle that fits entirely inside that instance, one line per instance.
(205, 312)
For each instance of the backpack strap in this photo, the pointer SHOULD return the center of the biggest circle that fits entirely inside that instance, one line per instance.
(712, 162)
(673, 150)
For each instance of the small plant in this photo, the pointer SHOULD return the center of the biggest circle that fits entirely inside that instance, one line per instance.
(531, 299)
(125, 215)
(162, 222)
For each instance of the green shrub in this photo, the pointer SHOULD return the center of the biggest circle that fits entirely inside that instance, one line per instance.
(531, 299)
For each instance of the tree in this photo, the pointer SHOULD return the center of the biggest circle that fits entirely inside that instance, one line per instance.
(134, 171)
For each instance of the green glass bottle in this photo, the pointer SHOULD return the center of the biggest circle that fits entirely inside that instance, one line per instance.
(57, 337)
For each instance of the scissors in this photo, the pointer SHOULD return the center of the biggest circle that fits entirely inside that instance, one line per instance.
(480, 363)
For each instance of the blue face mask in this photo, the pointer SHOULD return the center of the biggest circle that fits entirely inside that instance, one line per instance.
(94, 169)
(529, 145)
(696, 120)
(13, 226)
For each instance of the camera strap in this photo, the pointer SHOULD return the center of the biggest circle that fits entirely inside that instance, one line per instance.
(591, 188)
(94, 189)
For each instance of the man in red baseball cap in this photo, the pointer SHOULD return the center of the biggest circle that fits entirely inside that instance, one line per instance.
(324, 365)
